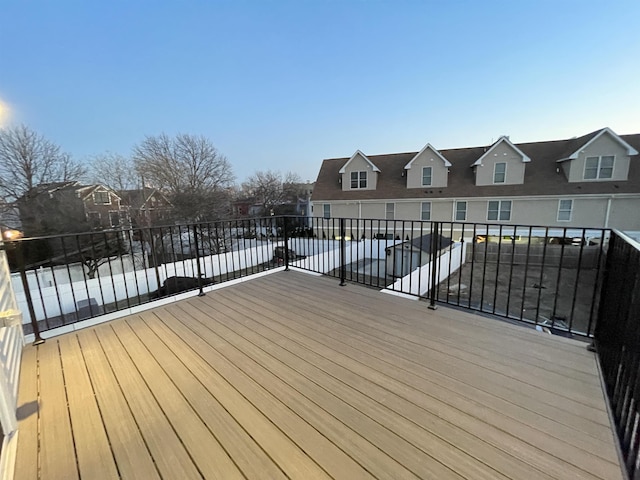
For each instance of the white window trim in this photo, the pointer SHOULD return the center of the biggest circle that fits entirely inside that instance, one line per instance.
(101, 191)
(422, 211)
(455, 214)
(430, 176)
(494, 173)
(598, 178)
(500, 202)
(366, 180)
(386, 211)
(324, 210)
(570, 210)
(119, 217)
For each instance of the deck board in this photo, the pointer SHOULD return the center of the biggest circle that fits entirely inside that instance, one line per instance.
(291, 376)
(94, 455)
(241, 447)
(285, 437)
(555, 400)
(168, 451)
(128, 445)
(27, 456)
(413, 404)
(57, 449)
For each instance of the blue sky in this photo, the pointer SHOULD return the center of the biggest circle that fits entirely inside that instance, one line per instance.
(283, 84)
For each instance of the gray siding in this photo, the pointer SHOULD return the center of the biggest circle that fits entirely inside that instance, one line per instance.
(359, 164)
(603, 145)
(439, 172)
(586, 212)
(501, 153)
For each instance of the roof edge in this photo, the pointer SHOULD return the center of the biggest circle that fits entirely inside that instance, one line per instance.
(503, 138)
(437, 152)
(358, 152)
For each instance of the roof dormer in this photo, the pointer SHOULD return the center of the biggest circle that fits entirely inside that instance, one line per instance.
(502, 164)
(428, 168)
(598, 157)
(359, 173)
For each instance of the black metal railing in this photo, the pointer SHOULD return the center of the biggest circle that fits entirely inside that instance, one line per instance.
(617, 341)
(64, 279)
(546, 277)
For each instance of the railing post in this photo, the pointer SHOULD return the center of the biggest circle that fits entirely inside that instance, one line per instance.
(286, 245)
(154, 258)
(199, 270)
(343, 254)
(434, 273)
(27, 293)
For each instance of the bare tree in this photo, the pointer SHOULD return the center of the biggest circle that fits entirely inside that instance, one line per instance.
(27, 159)
(271, 189)
(115, 171)
(190, 169)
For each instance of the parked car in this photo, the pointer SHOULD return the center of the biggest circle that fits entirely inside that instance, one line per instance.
(173, 285)
(88, 308)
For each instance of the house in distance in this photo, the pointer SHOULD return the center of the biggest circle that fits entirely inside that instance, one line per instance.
(592, 181)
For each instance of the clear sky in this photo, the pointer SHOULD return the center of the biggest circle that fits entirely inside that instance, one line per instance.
(283, 84)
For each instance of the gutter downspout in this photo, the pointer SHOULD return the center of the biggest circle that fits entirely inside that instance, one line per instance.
(359, 217)
(606, 216)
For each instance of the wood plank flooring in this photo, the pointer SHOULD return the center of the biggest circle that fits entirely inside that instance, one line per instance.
(291, 376)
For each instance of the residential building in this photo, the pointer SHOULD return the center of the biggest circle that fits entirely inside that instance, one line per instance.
(590, 181)
(147, 206)
(66, 207)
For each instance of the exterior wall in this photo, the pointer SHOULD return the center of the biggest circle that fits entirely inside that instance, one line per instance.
(373, 210)
(359, 164)
(623, 214)
(537, 211)
(439, 172)
(604, 145)
(503, 152)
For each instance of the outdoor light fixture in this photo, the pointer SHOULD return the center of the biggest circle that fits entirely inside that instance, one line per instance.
(9, 235)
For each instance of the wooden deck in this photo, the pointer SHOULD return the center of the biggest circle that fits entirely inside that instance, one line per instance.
(291, 376)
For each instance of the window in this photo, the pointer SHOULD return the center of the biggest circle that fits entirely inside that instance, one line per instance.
(326, 210)
(564, 210)
(499, 172)
(358, 179)
(101, 198)
(598, 167)
(390, 211)
(94, 219)
(425, 211)
(461, 211)
(114, 218)
(499, 210)
(426, 176)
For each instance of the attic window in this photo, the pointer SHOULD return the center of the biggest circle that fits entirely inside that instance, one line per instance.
(499, 172)
(598, 167)
(101, 198)
(359, 179)
(426, 176)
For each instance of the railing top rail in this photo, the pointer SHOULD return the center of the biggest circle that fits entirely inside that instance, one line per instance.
(154, 227)
(634, 243)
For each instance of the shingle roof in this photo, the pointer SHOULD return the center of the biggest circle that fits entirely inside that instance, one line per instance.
(424, 242)
(542, 176)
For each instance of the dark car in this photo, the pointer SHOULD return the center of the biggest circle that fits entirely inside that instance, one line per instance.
(173, 285)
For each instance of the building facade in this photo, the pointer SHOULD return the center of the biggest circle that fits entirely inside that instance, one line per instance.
(592, 181)
(68, 207)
